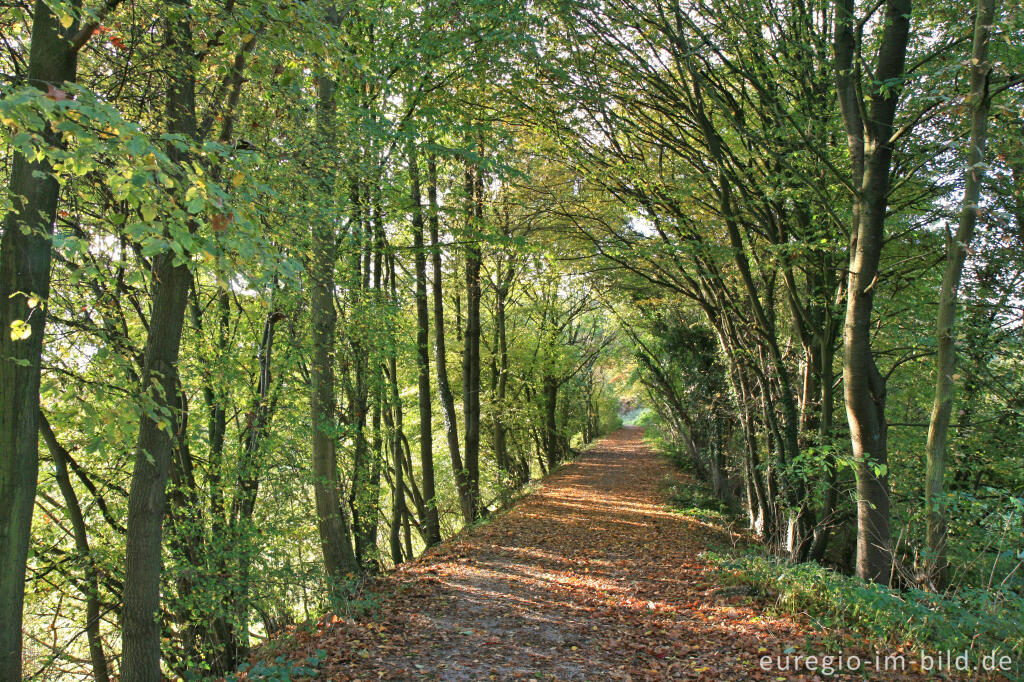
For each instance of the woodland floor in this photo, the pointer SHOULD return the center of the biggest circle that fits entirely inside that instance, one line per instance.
(589, 578)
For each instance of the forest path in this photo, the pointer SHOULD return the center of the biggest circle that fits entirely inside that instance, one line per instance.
(589, 578)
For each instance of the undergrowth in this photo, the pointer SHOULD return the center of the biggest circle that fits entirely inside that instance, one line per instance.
(280, 669)
(696, 502)
(981, 622)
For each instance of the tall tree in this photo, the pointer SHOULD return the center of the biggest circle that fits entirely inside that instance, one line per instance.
(444, 391)
(471, 346)
(161, 423)
(869, 129)
(433, 526)
(979, 104)
(335, 535)
(24, 290)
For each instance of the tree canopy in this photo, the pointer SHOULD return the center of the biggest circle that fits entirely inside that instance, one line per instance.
(291, 292)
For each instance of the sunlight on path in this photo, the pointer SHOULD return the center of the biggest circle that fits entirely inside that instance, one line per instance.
(590, 578)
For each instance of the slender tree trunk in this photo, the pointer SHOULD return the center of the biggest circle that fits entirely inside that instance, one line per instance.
(871, 158)
(945, 357)
(471, 352)
(551, 442)
(335, 541)
(826, 378)
(444, 391)
(501, 383)
(398, 492)
(235, 637)
(91, 587)
(395, 417)
(24, 289)
(432, 522)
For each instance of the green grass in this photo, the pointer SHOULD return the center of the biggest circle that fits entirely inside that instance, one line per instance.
(696, 502)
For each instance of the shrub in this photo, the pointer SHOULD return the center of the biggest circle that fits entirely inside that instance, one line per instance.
(281, 669)
(974, 620)
(695, 501)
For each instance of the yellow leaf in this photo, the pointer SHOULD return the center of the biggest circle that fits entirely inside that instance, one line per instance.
(148, 213)
(66, 20)
(237, 179)
(20, 330)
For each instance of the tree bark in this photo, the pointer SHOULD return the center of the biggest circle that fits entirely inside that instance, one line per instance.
(444, 391)
(936, 567)
(159, 425)
(335, 541)
(74, 511)
(395, 444)
(24, 289)
(500, 434)
(432, 522)
(871, 158)
(471, 350)
(552, 450)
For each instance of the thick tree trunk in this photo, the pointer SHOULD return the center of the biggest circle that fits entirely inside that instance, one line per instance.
(147, 496)
(871, 158)
(160, 425)
(24, 289)
(945, 357)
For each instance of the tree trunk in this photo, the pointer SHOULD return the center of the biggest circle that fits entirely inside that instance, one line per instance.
(234, 637)
(500, 435)
(444, 391)
(335, 542)
(551, 441)
(91, 589)
(395, 444)
(871, 158)
(471, 352)
(159, 426)
(945, 357)
(25, 267)
(826, 378)
(432, 522)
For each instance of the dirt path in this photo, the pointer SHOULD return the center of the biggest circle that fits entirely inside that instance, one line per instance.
(590, 578)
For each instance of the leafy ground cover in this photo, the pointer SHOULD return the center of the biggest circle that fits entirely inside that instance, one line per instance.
(592, 577)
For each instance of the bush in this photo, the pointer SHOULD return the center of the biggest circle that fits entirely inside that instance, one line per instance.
(974, 620)
(695, 501)
(281, 669)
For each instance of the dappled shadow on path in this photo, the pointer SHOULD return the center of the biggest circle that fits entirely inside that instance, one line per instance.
(589, 578)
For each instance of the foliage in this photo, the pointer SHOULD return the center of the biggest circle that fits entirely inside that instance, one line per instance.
(280, 670)
(979, 621)
(422, 254)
